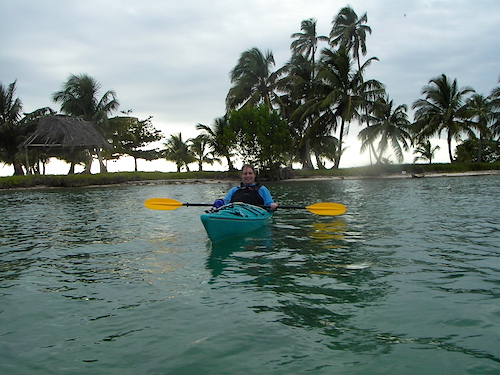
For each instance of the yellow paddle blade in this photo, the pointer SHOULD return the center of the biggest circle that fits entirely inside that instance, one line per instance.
(326, 208)
(162, 204)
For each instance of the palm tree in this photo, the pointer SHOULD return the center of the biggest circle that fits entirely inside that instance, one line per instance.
(299, 84)
(480, 109)
(495, 106)
(390, 125)
(325, 147)
(306, 43)
(443, 110)
(197, 147)
(178, 152)
(80, 98)
(426, 151)
(343, 92)
(253, 80)
(10, 128)
(350, 31)
(219, 139)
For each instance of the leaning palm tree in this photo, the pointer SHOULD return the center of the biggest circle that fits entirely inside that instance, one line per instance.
(350, 31)
(219, 139)
(443, 110)
(177, 151)
(198, 146)
(391, 126)
(425, 151)
(80, 98)
(253, 80)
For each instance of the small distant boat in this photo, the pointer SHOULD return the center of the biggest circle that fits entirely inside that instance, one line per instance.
(234, 219)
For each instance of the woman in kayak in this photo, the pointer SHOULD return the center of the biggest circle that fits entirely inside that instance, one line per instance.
(249, 191)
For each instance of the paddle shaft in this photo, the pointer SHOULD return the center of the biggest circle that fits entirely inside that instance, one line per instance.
(210, 205)
(198, 204)
(288, 207)
(324, 208)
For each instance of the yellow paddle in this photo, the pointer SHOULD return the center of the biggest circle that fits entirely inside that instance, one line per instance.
(324, 208)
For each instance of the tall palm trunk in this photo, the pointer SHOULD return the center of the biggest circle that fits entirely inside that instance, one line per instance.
(450, 154)
(305, 155)
(339, 151)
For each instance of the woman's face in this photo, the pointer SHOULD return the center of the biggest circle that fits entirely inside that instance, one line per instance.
(247, 176)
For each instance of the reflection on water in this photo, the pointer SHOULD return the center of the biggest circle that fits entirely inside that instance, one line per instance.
(327, 231)
(308, 267)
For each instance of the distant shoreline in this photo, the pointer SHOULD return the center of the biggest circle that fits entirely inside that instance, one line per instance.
(318, 178)
(215, 177)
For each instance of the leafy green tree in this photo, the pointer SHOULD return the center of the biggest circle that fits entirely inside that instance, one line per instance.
(425, 151)
(131, 136)
(80, 98)
(177, 151)
(253, 80)
(220, 139)
(350, 31)
(262, 137)
(443, 110)
(390, 125)
(198, 147)
(11, 130)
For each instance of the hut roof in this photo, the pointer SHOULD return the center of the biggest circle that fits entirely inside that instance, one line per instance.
(65, 132)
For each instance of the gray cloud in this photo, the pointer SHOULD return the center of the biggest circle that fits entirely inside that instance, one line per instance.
(171, 59)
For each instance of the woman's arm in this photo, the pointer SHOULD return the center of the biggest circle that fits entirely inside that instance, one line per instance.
(229, 195)
(268, 199)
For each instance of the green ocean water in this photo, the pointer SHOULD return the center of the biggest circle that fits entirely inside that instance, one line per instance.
(407, 281)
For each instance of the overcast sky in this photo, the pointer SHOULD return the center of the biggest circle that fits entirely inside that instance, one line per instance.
(171, 59)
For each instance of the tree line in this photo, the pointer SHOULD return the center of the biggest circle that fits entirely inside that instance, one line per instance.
(298, 113)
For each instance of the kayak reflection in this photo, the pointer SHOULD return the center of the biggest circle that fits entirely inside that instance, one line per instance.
(222, 253)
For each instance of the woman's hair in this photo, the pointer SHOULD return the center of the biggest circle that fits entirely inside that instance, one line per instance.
(249, 166)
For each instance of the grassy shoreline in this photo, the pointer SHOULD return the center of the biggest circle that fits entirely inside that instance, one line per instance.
(373, 171)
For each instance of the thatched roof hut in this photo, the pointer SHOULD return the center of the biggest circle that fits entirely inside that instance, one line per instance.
(65, 132)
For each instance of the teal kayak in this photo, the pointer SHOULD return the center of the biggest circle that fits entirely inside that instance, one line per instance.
(234, 219)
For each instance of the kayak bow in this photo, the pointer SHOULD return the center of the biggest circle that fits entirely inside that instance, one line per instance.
(234, 219)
